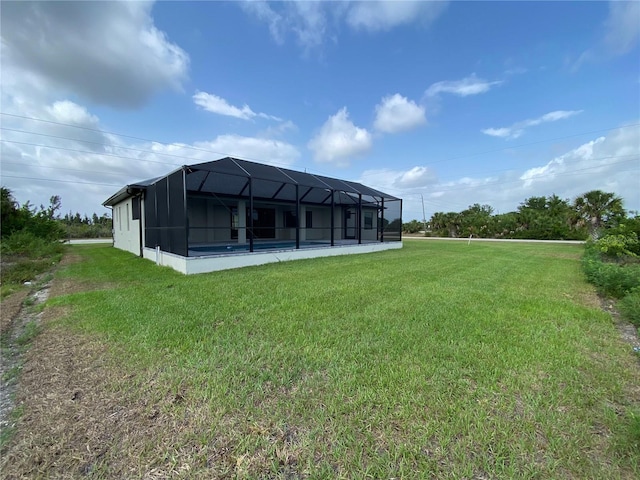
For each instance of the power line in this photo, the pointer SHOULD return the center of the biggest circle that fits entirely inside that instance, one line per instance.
(94, 143)
(403, 192)
(61, 181)
(59, 168)
(103, 132)
(88, 152)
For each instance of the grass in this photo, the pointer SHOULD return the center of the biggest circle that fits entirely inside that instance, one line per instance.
(25, 258)
(438, 360)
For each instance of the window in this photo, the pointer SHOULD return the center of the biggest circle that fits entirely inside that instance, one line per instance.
(235, 223)
(135, 208)
(290, 219)
(368, 220)
(264, 223)
(119, 218)
(308, 219)
(127, 205)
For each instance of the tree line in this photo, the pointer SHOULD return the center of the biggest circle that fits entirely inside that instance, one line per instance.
(543, 218)
(45, 222)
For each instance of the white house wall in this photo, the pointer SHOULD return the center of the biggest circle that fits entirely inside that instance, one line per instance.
(193, 265)
(210, 222)
(126, 230)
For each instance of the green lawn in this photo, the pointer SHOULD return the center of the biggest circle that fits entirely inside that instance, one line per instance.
(442, 359)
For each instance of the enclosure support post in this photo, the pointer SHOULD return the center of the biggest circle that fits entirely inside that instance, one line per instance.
(333, 223)
(250, 214)
(359, 218)
(400, 228)
(186, 215)
(381, 226)
(297, 217)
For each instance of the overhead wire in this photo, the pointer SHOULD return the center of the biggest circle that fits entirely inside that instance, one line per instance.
(403, 192)
(190, 147)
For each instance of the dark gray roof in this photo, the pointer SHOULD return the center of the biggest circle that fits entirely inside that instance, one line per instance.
(231, 178)
(129, 191)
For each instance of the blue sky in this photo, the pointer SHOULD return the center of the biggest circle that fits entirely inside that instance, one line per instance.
(451, 102)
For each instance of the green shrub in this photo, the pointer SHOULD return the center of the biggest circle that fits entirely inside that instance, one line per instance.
(618, 245)
(25, 270)
(611, 279)
(629, 306)
(25, 243)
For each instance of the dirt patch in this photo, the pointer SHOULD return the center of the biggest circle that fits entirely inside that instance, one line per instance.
(22, 321)
(84, 415)
(628, 332)
(10, 308)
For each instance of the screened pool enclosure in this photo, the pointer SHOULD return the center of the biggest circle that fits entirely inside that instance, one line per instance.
(232, 206)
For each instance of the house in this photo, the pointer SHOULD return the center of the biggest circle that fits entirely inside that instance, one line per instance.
(231, 213)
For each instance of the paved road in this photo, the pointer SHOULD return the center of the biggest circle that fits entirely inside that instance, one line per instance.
(514, 240)
(88, 241)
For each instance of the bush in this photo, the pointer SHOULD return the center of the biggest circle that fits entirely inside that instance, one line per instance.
(618, 245)
(611, 279)
(24, 270)
(25, 243)
(629, 306)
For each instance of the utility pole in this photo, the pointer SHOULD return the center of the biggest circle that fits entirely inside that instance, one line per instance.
(424, 217)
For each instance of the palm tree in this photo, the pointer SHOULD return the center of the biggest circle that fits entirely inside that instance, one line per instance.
(598, 208)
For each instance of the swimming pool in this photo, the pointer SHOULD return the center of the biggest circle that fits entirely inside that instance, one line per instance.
(238, 247)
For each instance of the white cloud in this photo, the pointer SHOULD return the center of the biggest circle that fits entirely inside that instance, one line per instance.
(339, 140)
(498, 132)
(311, 23)
(471, 85)
(597, 159)
(69, 112)
(622, 26)
(307, 21)
(263, 150)
(621, 34)
(608, 163)
(279, 129)
(108, 52)
(214, 104)
(416, 177)
(396, 113)
(86, 165)
(517, 129)
(385, 15)
(390, 181)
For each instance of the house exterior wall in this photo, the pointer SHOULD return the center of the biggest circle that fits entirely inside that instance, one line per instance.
(208, 221)
(193, 265)
(126, 230)
(369, 230)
